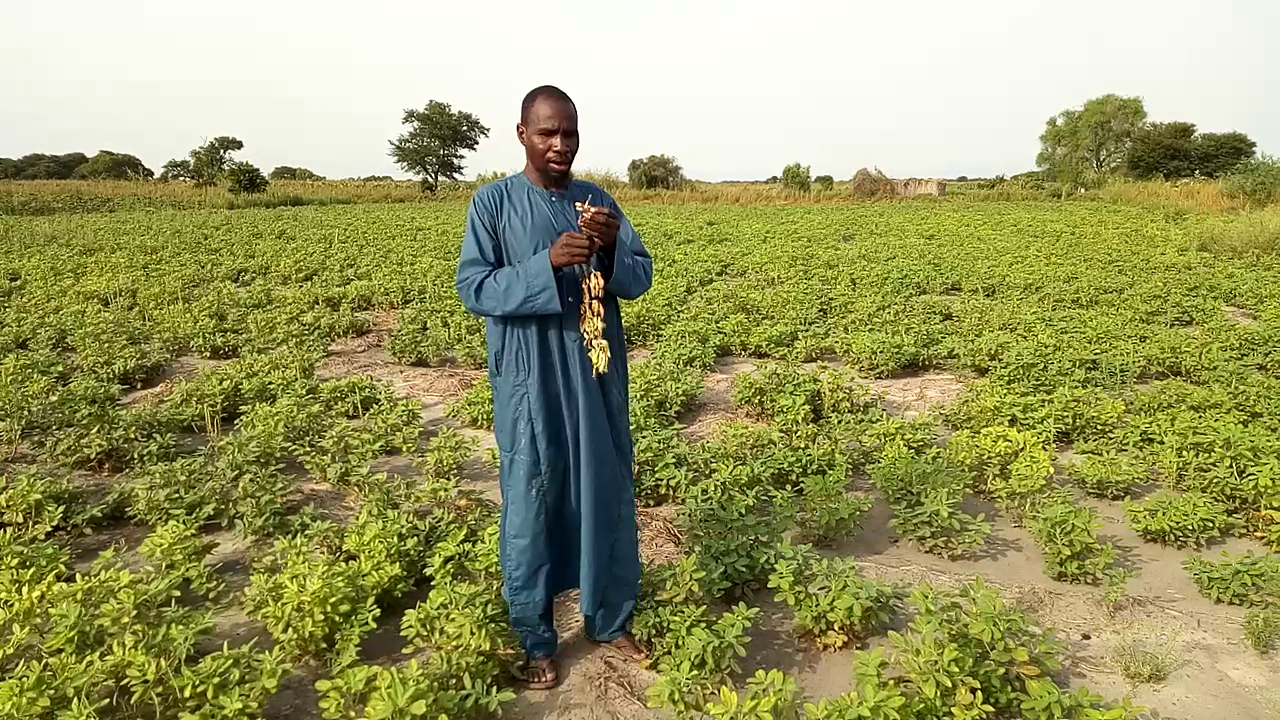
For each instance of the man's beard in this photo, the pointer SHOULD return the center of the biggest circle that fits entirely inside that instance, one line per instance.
(556, 179)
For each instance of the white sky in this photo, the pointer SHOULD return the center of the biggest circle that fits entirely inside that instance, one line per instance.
(734, 89)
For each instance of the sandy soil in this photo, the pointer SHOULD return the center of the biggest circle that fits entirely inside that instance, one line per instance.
(1216, 675)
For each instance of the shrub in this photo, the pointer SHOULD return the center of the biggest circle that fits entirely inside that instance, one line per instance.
(867, 185)
(244, 178)
(824, 182)
(286, 172)
(1257, 181)
(796, 177)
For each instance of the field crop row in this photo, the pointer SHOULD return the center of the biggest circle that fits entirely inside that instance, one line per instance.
(1078, 326)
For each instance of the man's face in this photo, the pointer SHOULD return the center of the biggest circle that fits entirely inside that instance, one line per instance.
(550, 138)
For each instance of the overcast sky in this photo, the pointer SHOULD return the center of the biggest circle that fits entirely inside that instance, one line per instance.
(734, 89)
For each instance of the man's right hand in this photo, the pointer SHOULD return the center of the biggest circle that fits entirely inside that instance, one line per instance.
(571, 249)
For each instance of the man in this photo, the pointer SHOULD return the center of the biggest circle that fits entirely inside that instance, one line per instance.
(568, 493)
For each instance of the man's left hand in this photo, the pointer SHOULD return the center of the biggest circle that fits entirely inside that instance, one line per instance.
(601, 225)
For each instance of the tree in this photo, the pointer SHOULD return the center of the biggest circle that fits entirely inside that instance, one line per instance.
(244, 178)
(42, 166)
(205, 164)
(656, 172)
(1218, 154)
(432, 147)
(1165, 150)
(210, 161)
(1177, 150)
(176, 169)
(824, 182)
(796, 177)
(108, 165)
(1079, 146)
(285, 172)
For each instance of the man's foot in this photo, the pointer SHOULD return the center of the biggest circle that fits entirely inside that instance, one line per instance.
(629, 648)
(537, 673)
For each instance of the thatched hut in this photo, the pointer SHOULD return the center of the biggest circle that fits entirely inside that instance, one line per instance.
(920, 186)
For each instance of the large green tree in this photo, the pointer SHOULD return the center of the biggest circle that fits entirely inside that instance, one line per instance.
(108, 165)
(1218, 154)
(1085, 144)
(1177, 150)
(796, 177)
(1163, 150)
(41, 166)
(206, 164)
(655, 172)
(286, 172)
(432, 147)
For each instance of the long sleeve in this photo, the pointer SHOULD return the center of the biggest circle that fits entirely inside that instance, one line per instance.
(489, 288)
(630, 270)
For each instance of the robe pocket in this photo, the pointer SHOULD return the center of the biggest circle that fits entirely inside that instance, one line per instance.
(514, 429)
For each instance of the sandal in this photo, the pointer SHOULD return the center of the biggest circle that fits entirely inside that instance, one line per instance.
(626, 646)
(540, 674)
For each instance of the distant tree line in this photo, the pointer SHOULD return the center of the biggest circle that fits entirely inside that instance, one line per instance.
(75, 166)
(1110, 136)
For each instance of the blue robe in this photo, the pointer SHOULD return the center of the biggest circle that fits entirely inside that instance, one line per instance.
(568, 489)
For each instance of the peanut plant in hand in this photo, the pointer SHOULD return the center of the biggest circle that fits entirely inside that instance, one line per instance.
(171, 376)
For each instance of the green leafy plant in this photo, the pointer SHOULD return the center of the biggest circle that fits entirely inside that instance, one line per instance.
(1109, 475)
(1180, 520)
(1068, 538)
(925, 494)
(475, 407)
(1008, 465)
(1249, 580)
(833, 603)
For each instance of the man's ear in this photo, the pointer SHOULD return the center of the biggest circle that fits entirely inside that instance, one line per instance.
(520, 133)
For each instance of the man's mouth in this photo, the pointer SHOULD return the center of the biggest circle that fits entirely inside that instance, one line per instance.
(558, 164)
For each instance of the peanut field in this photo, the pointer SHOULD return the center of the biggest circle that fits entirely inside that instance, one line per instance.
(896, 461)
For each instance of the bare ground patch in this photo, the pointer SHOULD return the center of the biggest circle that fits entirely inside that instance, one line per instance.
(381, 324)
(1212, 673)
(429, 385)
(1240, 316)
(660, 539)
(914, 395)
(184, 367)
(715, 406)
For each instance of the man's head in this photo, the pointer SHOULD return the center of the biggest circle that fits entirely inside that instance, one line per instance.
(548, 130)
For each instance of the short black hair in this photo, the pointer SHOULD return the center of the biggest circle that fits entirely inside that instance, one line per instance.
(547, 91)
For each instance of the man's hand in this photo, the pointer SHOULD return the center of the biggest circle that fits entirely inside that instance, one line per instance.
(571, 249)
(601, 224)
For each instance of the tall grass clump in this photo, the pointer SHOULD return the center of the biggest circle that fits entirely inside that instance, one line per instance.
(1249, 235)
(1175, 196)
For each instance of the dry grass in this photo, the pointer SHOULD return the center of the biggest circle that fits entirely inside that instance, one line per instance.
(1249, 235)
(1176, 196)
(91, 196)
(1144, 660)
(660, 539)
